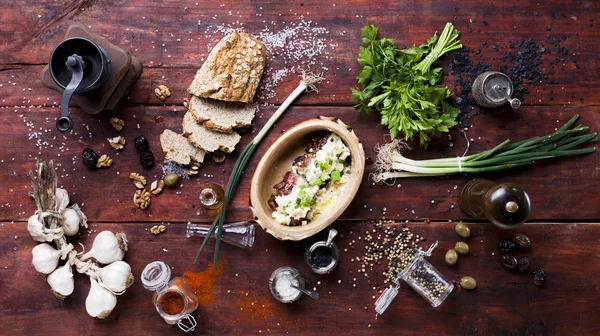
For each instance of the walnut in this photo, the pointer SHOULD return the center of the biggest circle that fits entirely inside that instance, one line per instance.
(157, 187)
(158, 229)
(162, 92)
(117, 123)
(117, 143)
(138, 180)
(141, 199)
(193, 171)
(104, 161)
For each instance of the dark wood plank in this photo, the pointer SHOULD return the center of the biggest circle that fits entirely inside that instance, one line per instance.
(565, 188)
(144, 27)
(503, 304)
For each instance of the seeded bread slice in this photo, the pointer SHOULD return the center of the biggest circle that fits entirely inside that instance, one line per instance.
(232, 70)
(221, 116)
(177, 148)
(206, 139)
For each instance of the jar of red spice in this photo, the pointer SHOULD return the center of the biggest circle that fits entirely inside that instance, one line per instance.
(173, 299)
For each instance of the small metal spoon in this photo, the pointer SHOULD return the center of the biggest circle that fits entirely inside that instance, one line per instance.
(332, 234)
(308, 292)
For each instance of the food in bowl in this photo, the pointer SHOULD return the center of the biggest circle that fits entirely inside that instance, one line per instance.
(316, 178)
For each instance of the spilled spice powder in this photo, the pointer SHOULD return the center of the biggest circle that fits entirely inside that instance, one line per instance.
(201, 283)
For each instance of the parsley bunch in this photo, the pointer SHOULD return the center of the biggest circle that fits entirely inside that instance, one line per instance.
(400, 84)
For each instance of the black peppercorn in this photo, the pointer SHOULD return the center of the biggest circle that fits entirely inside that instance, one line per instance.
(539, 276)
(507, 246)
(523, 264)
(89, 158)
(141, 143)
(147, 159)
(509, 262)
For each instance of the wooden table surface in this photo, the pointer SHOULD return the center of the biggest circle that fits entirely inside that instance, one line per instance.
(172, 38)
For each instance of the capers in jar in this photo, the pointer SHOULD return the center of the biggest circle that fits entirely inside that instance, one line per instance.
(461, 247)
(509, 262)
(468, 282)
(522, 240)
(462, 230)
(451, 257)
(171, 179)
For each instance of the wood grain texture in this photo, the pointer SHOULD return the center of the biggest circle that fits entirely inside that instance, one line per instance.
(503, 303)
(564, 188)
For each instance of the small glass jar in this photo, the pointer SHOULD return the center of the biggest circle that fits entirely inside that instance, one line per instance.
(426, 280)
(212, 195)
(156, 277)
(318, 254)
(281, 282)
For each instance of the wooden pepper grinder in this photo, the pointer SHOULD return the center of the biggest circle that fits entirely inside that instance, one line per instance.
(505, 205)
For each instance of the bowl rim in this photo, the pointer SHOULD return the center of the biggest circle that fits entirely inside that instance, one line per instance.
(330, 124)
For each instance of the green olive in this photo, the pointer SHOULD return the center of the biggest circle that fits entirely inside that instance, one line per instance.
(451, 257)
(461, 247)
(468, 282)
(462, 230)
(171, 179)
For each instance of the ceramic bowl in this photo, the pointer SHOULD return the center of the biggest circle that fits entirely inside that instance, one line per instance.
(278, 160)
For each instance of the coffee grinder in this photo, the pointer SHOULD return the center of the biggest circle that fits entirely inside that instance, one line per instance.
(91, 71)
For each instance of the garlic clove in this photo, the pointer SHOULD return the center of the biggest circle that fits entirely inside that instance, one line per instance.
(61, 281)
(99, 302)
(40, 233)
(61, 199)
(45, 258)
(116, 277)
(71, 221)
(107, 248)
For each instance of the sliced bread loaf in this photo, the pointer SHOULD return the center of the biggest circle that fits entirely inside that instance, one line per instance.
(177, 148)
(232, 70)
(206, 139)
(221, 116)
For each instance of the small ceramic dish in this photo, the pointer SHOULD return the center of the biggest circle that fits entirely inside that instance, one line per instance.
(278, 160)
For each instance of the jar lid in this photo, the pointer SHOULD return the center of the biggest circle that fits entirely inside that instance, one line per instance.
(156, 275)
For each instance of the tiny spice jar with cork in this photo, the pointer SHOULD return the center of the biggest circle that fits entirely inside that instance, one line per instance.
(173, 299)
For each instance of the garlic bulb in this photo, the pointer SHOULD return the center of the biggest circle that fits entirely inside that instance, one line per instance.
(61, 281)
(45, 258)
(99, 302)
(116, 277)
(39, 233)
(107, 248)
(71, 222)
(61, 199)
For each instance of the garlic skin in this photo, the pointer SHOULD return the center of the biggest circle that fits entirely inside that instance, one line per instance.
(61, 199)
(61, 281)
(107, 248)
(45, 258)
(70, 222)
(116, 277)
(39, 233)
(99, 302)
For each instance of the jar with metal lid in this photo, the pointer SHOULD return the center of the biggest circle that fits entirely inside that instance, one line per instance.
(505, 205)
(173, 299)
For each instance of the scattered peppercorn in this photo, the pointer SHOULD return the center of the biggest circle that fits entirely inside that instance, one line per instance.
(523, 264)
(522, 240)
(539, 276)
(509, 262)
(147, 159)
(507, 246)
(89, 158)
(141, 143)
(462, 230)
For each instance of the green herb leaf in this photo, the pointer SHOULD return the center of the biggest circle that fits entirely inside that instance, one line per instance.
(335, 176)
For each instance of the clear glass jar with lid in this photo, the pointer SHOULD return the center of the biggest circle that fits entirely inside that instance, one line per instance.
(173, 299)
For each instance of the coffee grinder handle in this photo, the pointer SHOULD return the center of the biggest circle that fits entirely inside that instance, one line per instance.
(75, 64)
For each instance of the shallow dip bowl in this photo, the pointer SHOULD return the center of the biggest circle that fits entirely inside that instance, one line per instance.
(278, 160)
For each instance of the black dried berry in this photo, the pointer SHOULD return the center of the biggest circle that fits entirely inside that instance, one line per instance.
(507, 246)
(147, 159)
(539, 276)
(509, 262)
(89, 158)
(522, 240)
(523, 264)
(141, 143)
